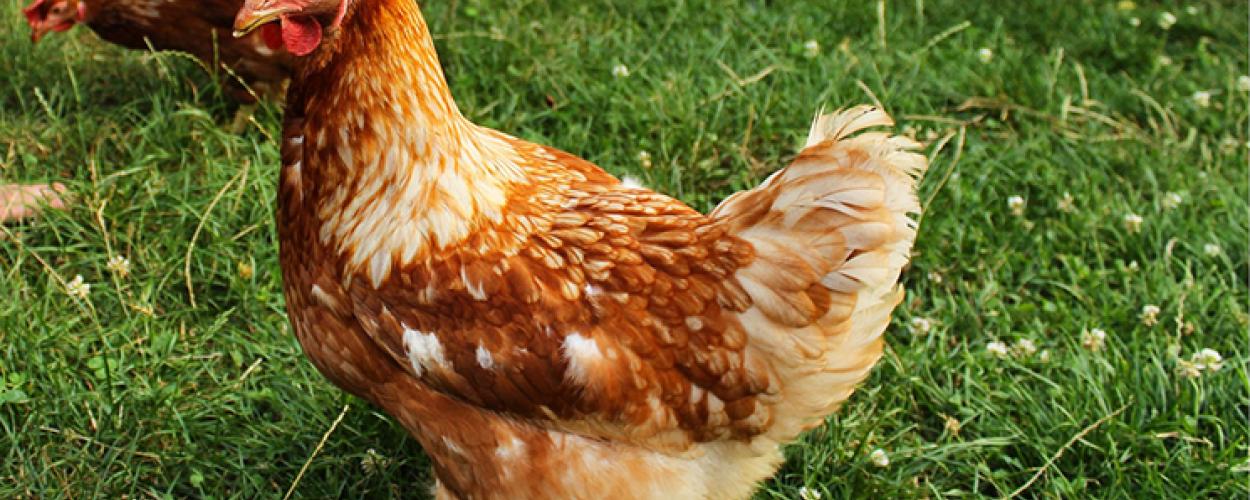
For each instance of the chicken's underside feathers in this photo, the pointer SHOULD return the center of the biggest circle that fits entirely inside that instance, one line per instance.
(580, 328)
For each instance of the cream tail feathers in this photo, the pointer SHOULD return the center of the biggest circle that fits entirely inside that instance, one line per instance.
(832, 232)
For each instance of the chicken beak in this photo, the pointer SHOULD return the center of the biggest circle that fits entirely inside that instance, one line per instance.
(249, 18)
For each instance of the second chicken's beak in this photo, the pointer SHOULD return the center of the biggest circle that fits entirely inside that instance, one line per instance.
(250, 18)
(37, 34)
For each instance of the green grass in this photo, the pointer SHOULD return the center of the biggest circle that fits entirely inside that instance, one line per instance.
(141, 390)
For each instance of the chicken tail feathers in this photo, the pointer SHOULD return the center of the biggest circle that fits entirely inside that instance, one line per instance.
(831, 233)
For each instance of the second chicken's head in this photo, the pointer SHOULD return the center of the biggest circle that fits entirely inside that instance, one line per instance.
(45, 16)
(296, 25)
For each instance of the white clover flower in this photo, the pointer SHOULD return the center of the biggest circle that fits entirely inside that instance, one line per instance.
(77, 288)
(921, 326)
(1134, 22)
(997, 349)
(1243, 83)
(1208, 360)
(645, 159)
(1167, 20)
(631, 182)
(1150, 315)
(1044, 356)
(120, 265)
(806, 493)
(1171, 200)
(1093, 339)
(1016, 204)
(811, 48)
(1212, 250)
(1164, 60)
(1201, 98)
(879, 458)
(620, 71)
(1187, 369)
(373, 462)
(1229, 143)
(985, 55)
(1066, 203)
(1023, 348)
(1133, 267)
(1132, 222)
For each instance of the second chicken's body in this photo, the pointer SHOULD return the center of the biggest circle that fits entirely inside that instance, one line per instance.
(201, 28)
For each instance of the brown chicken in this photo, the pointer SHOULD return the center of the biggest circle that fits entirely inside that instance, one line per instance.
(199, 27)
(542, 329)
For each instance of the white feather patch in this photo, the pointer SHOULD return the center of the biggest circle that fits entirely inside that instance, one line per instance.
(425, 352)
(484, 358)
(584, 357)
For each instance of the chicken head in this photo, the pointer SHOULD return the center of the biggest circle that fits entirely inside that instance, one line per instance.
(296, 25)
(46, 16)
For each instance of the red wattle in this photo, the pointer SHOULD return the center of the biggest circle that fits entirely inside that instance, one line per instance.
(301, 34)
(271, 34)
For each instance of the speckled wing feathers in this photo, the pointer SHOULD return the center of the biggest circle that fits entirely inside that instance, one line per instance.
(628, 316)
(615, 321)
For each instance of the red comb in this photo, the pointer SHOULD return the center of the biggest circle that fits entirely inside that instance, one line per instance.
(35, 13)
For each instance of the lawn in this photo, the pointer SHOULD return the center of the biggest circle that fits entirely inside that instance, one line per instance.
(1089, 174)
